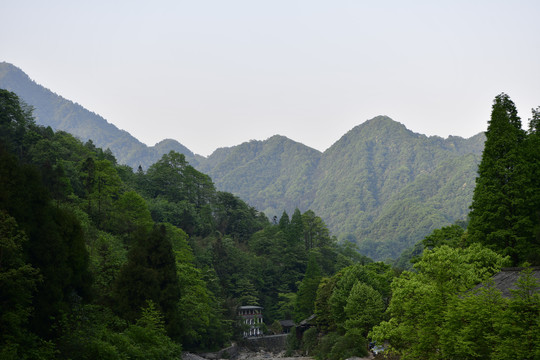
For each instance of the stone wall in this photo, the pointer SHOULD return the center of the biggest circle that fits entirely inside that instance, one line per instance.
(272, 343)
(228, 353)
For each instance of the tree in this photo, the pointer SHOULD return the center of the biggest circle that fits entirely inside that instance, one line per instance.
(364, 309)
(347, 278)
(15, 119)
(316, 233)
(18, 281)
(235, 217)
(131, 213)
(469, 329)
(531, 192)
(307, 291)
(284, 221)
(448, 235)
(296, 228)
(420, 299)
(497, 208)
(150, 274)
(325, 321)
(55, 243)
(520, 322)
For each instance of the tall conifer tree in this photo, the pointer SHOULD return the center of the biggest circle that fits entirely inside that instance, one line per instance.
(150, 274)
(497, 207)
(532, 190)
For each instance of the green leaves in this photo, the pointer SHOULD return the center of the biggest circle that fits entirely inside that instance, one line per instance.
(18, 284)
(150, 274)
(422, 302)
(364, 309)
(504, 207)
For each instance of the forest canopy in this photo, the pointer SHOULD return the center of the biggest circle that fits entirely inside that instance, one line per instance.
(100, 261)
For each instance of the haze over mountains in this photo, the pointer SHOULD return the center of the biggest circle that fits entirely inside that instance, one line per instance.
(380, 185)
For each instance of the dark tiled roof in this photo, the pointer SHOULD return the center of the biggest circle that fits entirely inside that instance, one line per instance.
(249, 307)
(287, 323)
(507, 278)
(308, 321)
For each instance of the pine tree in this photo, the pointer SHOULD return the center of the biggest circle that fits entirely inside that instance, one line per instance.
(307, 291)
(532, 195)
(496, 217)
(150, 274)
(284, 221)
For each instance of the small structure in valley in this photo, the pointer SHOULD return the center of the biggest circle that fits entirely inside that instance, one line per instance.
(251, 317)
(507, 279)
(286, 325)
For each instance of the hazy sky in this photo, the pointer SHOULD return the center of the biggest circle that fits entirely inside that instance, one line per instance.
(217, 73)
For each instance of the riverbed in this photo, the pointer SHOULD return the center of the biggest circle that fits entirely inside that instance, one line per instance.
(263, 355)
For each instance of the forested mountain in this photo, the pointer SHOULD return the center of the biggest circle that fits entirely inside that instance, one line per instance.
(381, 185)
(388, 186)
(101, 262)
(276, 174)
(59, 113)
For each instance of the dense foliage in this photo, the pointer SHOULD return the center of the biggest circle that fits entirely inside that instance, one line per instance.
(99, 261)
(505, 212)
(380, 185)
(436, 312)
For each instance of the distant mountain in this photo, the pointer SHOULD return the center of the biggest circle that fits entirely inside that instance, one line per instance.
(273, 175)
(61, 114)
(380, 185)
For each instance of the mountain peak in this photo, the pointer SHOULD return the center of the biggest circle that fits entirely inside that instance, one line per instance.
(381, 123)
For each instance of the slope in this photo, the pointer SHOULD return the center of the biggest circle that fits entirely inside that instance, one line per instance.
(61, 114)
(380, 185)
(273, 175)
(387, 187)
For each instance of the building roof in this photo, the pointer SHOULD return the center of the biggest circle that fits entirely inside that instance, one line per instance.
(249, 307)
(506, 279)
(286, 323)
(309, 321)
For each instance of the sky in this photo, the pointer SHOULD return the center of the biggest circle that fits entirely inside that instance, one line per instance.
(218, 73)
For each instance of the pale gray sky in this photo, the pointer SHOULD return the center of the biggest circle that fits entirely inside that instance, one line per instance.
(217, 73)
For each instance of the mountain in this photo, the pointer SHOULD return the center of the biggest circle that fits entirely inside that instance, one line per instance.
(53, 110)
(380, 185)
(385, 185)
(274, 175)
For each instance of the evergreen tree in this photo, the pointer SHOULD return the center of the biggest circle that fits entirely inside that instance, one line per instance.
(18, 281)
(55, 243)
(497, 209)
(531, 193)
(296, 228)
(307, 291)
(284, 221)
(150, 274)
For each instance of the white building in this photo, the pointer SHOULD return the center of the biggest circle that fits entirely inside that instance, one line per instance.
(252, 317)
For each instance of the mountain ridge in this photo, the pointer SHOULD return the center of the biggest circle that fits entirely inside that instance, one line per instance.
(51, 109)
(380, 185)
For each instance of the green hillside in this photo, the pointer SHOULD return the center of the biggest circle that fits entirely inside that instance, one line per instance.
(61, 114)
(380, 185)
(274, 175)
(387, 187)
